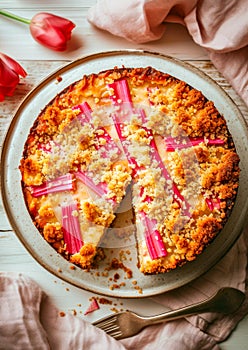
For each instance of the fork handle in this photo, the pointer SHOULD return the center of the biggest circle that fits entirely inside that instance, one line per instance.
(179, 313)
(220, 302)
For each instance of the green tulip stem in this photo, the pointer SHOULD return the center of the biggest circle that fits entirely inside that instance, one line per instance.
(15, 17)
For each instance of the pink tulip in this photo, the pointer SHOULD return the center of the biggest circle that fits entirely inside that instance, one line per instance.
(9, 75)
(51, 30)
(47, 29)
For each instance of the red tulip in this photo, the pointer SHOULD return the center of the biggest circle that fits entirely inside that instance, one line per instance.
(49, 30)
(9, 75)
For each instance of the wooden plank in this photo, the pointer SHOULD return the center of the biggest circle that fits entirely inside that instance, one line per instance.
(47, 4)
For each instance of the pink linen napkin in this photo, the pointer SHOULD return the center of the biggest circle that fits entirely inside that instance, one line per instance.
(219, 27)
(28, 319)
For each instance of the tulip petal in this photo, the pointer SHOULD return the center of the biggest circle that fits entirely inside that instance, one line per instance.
(12, 64)
(54, 40)
(9, 75)
(51, 30)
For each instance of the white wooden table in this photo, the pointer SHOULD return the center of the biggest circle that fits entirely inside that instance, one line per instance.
(38, 61)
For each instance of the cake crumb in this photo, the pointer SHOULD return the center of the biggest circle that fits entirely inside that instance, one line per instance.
(105, 301)
(59, 79)
(139, 289)
(114, 310)
(114, 286)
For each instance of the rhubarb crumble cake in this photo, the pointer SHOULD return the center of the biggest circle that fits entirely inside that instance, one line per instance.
(135, 128)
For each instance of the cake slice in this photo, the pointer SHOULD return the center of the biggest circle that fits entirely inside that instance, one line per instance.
(73, 181)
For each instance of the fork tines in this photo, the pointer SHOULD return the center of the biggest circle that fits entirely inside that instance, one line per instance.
(109, 326)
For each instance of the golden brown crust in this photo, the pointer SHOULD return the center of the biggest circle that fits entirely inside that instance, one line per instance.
(84, 257)
(182, 110)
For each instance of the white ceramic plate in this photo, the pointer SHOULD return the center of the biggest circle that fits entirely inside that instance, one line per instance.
(95, 281)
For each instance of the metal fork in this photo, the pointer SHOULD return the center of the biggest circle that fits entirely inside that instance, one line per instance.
(126, 324)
